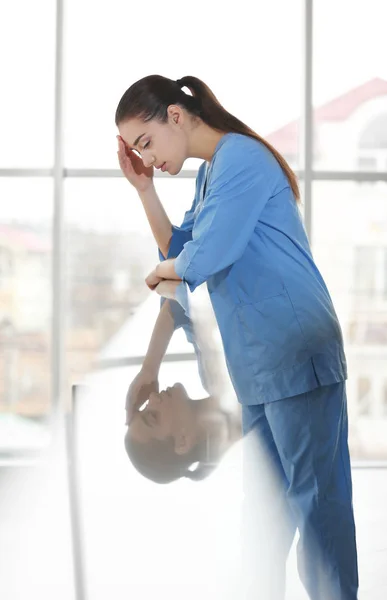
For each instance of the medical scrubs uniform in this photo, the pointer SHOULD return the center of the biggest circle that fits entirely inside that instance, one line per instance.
(283, 346)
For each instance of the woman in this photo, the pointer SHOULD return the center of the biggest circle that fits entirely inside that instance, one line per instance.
(170, 435)
(244, 237)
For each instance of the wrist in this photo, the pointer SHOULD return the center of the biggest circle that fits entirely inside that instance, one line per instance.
(143, 192)
(150, 367)
(165, 269)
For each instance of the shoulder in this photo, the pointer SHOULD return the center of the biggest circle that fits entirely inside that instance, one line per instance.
(242, 161)
(237, 152)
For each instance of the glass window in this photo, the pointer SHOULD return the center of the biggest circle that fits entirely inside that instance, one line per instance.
(384, 276)
(249, 72)
(349, 233)
(27, 48)
(350, 83)
(364, 399)
(110, 251)
(364, 271)
(25, 311)
(374, 135)
(367, 163)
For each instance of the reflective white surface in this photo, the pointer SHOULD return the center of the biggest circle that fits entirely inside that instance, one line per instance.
(141, 539)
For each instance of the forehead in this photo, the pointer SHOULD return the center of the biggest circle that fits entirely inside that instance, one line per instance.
(131, 130)
(139, 431)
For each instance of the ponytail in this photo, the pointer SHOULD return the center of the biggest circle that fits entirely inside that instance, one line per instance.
(217, 117)
(150, 97)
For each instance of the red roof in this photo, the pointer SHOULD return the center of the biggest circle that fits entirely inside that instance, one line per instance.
(339, 109)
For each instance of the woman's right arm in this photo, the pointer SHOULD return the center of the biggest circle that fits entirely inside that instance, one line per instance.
(158, 219)
(169, 239)
(146, 381)
(141, 178)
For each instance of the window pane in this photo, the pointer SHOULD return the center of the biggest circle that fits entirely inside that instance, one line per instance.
(249, 72)
(110, 251)
(27, 45)
(350, 85)
(365, 271)
(385, 274)
(349, 244)
(25, 311)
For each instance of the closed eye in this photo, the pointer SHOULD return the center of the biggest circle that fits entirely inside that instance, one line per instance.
(146, 145)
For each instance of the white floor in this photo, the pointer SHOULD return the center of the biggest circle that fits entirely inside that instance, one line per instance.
(141, 540)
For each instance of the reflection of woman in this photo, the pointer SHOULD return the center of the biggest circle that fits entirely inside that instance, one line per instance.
(244, 237)
(173, 433)
(170, 435)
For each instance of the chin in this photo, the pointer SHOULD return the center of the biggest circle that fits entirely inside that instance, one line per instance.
(175, 170)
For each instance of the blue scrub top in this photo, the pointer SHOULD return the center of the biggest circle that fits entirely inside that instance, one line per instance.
(244, 236)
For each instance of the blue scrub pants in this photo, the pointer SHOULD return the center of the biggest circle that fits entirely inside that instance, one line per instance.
(302, 481)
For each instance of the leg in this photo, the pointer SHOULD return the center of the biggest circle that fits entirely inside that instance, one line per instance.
(310, 432)
(268, 524)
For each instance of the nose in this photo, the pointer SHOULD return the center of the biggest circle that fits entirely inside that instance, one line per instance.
(148, 160)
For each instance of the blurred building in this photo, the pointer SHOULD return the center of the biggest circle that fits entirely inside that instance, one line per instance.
(105, 285)
(350, 245)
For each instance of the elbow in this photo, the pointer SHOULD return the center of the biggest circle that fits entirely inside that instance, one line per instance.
(193, 279)
(164, 250)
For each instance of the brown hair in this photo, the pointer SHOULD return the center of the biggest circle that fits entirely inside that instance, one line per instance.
(150, 97)
(158, 461)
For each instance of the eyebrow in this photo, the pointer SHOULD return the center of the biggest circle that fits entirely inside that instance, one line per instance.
(138, 139)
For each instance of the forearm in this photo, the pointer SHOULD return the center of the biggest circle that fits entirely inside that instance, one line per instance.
(166, 270)
(161, 336)
(158, 219)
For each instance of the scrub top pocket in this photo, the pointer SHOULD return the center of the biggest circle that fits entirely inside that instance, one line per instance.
(273, 336)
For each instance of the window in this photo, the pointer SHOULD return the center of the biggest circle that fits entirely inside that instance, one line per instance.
(110, 251)
(374, 136)
(5, 263)
(349, 84)
(27, 48)
(365, 272)
(368, 333)
(384, 274)
(364, 397)
(370, 272)
(25, 295)
(367, 163)
(265, 97)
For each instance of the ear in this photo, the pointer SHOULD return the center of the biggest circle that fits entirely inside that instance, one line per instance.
(175, 115)
(183, 443)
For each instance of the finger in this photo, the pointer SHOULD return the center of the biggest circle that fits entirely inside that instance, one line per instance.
(121, 147)
(125, 162)
(137, 400)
